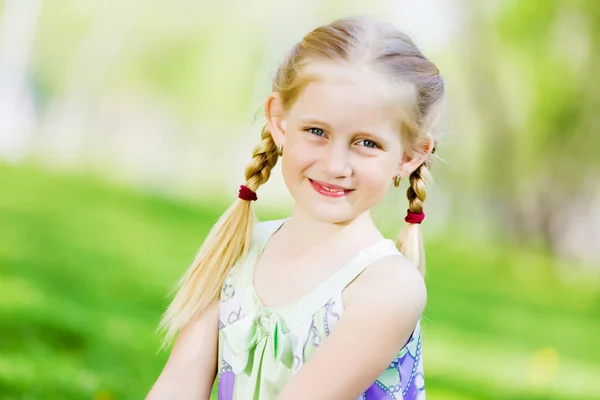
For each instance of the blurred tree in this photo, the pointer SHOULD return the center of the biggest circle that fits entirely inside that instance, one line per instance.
(530, 68)
(18, 20)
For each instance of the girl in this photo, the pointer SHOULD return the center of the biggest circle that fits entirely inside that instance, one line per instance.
(319, 305)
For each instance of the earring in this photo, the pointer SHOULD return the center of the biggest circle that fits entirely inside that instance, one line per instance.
(397, 180)
(280, 150)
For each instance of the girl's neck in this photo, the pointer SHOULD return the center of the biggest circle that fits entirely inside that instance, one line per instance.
(307, 232)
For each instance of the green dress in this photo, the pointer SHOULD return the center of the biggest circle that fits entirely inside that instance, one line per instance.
(261, 348)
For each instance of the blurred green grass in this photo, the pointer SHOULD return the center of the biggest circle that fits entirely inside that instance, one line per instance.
(86, 267)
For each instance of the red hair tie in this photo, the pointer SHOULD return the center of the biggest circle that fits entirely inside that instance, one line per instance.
(247, 194)
(414, 218)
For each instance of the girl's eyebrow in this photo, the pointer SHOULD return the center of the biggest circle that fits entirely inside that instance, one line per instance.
(314, 121)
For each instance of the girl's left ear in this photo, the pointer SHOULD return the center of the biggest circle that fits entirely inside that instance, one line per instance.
(276, 118)
(412, 159)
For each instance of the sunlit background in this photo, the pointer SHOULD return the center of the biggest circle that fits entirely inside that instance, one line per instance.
(125, 127)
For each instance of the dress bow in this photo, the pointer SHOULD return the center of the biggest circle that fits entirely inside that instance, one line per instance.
(245, 334)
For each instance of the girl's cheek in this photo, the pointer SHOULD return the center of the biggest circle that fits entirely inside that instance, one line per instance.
(306, 150)
(379, 174)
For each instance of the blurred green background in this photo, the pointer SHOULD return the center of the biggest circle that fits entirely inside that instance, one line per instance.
(125, 128)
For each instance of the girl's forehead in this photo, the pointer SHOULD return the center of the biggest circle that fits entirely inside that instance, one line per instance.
(358, 76)
(348, 95)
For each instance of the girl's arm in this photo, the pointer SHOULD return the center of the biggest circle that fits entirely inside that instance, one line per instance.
(383, 307)
(191, 368)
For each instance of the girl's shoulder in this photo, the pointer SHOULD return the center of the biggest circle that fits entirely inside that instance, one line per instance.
(391, 285)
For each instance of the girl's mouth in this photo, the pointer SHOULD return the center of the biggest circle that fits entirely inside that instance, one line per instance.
(329, 190)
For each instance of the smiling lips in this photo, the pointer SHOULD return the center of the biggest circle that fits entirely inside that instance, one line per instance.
(329, 190)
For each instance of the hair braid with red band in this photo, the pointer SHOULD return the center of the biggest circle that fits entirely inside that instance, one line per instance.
(247, 194)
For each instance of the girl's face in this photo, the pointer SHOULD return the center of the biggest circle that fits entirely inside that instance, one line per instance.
(342, 145)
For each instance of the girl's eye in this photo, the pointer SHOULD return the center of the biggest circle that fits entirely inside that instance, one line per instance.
(369, 143)
(316, 131)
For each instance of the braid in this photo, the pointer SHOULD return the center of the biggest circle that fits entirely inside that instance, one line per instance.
(264, 158)
(417, 192)
(410, 242)
(227, 242)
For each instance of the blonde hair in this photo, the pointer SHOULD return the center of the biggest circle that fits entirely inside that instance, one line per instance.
(360, 41)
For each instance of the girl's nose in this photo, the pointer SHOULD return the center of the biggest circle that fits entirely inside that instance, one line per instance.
(337, 161)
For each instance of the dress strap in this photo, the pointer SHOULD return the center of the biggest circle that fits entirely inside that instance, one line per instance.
(361, 261)
(262, 232)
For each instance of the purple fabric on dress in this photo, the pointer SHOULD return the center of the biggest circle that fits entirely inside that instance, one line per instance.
(412, 392)
(374, 392)
(407, 366)
(225, 387)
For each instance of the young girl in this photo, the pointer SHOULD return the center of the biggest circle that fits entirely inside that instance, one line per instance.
(319, 305)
